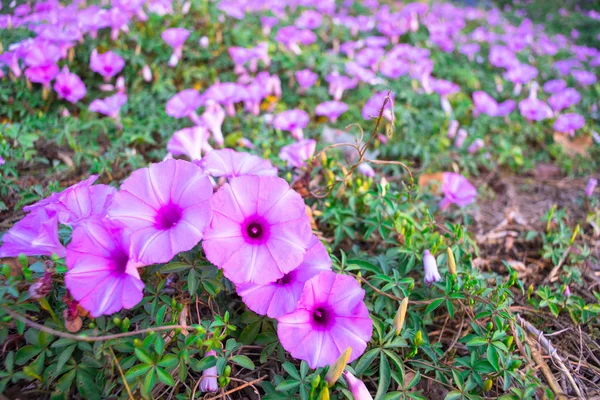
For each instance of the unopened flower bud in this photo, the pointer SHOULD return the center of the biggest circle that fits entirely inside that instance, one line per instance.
(432, 274)
(567, 291)
(460, 138)
(418, 338)
(335, 370)
(487, 385)
(476, 146)
(209, 376)
(147, 73)
(357, 387)
(452, 129)
(451, 262)
(400, 315)
(590, 187)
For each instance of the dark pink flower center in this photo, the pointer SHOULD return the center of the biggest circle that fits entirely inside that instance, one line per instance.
(168, 216)
(284, 280)
(322, 317)
(120, 259)
(255, 230)
(66, 91)
(107, 69)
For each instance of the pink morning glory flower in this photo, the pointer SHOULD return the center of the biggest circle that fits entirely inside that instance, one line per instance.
(191, 142)
(259, 231)
(107, 64)
(373, 106)
(393, 68)
(42, 74)
(34, 235)
(485, 104)
(292, 121)
(590, 187)
(309, 19)
(569, 123)
(430, 267)
(166, 207)
(213, 118)
(296, 154)
(109, 106)
(184, 104)
(281, 297)
(209, 381)
(457, 190)
(357, 387)
(82, 202)
(584, 78)
(306, 78)
(555, 86)
(331, 109)
(230, 163)
(69, 86)
(102, 275)
(331, 316)
(534, 109)
(564, 99)
(175, 37)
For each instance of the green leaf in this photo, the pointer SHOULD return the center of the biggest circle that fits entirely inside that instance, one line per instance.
(287, 385)
(204, 363)
(477, 341)
(385, 377)
(250, 332)
(492, 356)
(160, 315)
(137, 371)
(143, 356)
(26, 353)
(433, 305)
(148, 384)
(174, 267)
(365, 361)
(159, 344)
(243, 361)
(291, 370)
(192, 282)
(165, 377)
(453, 395)
(64, 357)
(168, 361)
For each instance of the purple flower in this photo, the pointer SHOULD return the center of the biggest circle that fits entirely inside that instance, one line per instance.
(331, 109)
(501, 56)
(331, 316)
(259, 231)
(569, 123)
(520, 73)
(534, 109)
(357, 387)
(584, 78)
(109, 106)
(175, 37)
(166, 207)
(452, 129)
(555, 86)
(309, 19)
(209, 376)
(103, 275)
(191, 142)
(485, 104)
(293, 121)
(184, 104)
(82, 202)
(107, 64)
(564, 99)
(296, 154)
(34, 235)
(339, 83)
(42, 54)
(372, 107)
(457, 190)
(477, 145)
(42, 74)
(376, 41)
(281, 297)
(430, 267)
(393, 68)
(230, 163)
(460, 138)
(369, 57)
(69, 86)
(306, 78)
(590, 187)
(469, 50)
(227, 94)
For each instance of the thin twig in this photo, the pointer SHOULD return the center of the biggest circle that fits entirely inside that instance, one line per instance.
(237, 389)
(82, 338)
(122, 374)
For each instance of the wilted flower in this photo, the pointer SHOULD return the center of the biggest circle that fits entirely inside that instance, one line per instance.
(106, 64)
(165, 206)
(296, 154)
(69, 86)
(569, 123)
(191, 142)
(331, 316)
(432, 274)
(103, 275)
(209, 376)
(230, 163)
(457, 190)
(357, 387)
(175, 37)
(292, 121)
(590, 187)
(400, 315)
(259, 231)
(281, 297)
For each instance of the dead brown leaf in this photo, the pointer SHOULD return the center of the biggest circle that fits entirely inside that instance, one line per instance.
(434, 181)
(573, 147)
